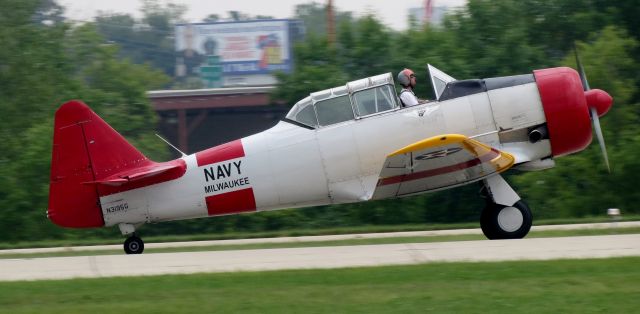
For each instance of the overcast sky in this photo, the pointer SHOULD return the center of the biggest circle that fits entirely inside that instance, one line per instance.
(392, 13)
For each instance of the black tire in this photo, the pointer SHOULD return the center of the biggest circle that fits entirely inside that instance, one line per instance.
(133, 245)
(500, 222)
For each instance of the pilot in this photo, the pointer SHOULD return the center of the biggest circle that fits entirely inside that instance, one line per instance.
(407, 79)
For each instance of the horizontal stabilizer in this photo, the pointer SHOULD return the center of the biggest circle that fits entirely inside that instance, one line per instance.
(145, 172)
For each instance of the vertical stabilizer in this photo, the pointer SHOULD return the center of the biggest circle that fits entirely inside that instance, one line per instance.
(85, 149)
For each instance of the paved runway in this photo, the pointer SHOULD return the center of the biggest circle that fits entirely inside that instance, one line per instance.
(477, 231)
(318, 257)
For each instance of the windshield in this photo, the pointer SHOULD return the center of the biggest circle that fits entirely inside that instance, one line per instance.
(439, 80)
(304, 112)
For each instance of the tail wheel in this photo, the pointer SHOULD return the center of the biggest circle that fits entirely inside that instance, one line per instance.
(506, 222)
(133, 245)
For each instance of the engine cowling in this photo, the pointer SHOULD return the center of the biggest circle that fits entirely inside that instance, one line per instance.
(566, 108)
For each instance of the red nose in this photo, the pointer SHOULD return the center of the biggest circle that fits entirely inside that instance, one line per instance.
(599, 99)
(566, 108)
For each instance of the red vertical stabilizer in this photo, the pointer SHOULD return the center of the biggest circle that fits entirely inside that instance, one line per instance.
(85, 149)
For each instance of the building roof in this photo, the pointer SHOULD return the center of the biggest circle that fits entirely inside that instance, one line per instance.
(210, 91)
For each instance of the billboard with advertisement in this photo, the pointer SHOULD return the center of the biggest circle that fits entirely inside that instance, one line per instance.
(235, 48)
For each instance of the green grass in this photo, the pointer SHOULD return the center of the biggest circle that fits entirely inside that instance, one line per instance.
(564, 286)
(414, 239)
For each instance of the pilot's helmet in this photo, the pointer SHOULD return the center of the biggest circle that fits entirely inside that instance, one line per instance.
(404, 77)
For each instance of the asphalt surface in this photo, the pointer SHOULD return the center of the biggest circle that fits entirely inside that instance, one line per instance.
(318, 257)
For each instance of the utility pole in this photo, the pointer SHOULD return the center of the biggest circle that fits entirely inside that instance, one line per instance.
(331, 23)
(428, 11)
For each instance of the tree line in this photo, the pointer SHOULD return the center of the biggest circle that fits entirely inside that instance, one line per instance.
(111, 62)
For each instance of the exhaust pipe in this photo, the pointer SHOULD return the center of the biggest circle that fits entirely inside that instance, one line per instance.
(538, 134)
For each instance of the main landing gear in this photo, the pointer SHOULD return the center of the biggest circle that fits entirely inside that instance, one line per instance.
(506, 216)
(133, 244)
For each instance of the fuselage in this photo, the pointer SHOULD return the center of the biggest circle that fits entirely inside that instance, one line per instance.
(290, 166)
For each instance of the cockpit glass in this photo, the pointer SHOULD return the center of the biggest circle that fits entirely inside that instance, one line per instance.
(307, 116)
(303, 112)
(334, 110)
(374, 100)
(358, 98)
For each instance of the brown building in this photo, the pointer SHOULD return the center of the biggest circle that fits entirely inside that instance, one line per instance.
(194, 120)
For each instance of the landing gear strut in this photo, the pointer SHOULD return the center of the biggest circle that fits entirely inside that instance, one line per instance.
(506, 216)
(133, 244)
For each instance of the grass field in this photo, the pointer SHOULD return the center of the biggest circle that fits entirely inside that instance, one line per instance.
(565, 286)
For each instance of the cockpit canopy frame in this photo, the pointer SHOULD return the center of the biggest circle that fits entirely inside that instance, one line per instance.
(354, 100)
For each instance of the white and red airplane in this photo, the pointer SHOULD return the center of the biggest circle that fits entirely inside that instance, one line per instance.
(351, 143)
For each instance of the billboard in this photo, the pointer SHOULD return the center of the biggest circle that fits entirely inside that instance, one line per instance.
(235, 48)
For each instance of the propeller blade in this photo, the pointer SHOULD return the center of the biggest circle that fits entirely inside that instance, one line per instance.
(598, 130)
(583, 75)
(592, 109)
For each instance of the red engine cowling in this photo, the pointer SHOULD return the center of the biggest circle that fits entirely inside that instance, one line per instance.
(566, 108)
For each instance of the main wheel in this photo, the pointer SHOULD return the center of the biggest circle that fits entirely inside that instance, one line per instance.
(133, 245)
(506, 222)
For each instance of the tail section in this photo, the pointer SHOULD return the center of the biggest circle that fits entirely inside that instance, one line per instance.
(90, 159)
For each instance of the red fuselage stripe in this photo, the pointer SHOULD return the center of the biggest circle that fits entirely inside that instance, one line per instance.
(439, 171)
(231, 203)
(220, 153)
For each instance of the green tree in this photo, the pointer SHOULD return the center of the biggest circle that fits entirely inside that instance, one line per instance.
(580, 185)
(148, 40)
(44, 65)
(314, 17)
(32, 72)
(363, 52)
(371, 50)
(46, 62)
(315, 69)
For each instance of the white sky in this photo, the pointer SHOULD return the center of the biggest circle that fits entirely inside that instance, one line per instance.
(393, 13)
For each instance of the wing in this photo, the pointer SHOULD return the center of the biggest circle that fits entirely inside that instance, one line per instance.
(438, 162)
